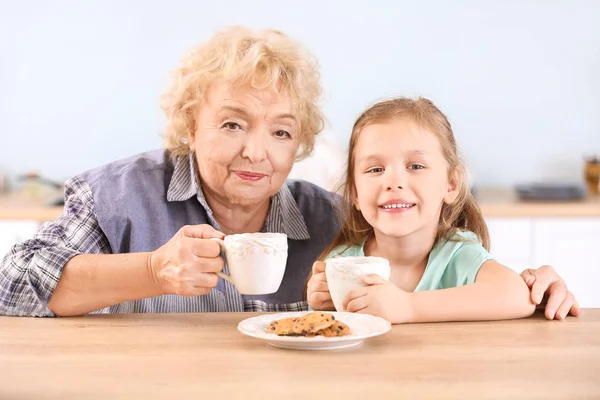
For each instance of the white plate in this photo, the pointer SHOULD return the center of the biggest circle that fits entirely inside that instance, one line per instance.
(362, 326)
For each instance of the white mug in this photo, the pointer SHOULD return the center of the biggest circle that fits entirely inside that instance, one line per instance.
(256, 261)
(343, 274)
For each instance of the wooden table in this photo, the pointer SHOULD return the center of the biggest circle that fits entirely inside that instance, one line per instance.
(202, 356)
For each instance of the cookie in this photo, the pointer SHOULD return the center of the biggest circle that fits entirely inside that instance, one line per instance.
(282, 327)
(337, 329)
(312, 323)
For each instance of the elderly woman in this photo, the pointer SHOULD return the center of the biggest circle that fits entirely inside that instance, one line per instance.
(135, 233)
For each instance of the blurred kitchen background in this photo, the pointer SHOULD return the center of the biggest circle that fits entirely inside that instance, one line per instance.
(519, 81)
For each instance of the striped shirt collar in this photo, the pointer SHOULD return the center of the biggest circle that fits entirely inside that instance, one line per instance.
(284, 215)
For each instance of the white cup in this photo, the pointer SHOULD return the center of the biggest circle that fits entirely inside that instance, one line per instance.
(256, 261)
(343, 274)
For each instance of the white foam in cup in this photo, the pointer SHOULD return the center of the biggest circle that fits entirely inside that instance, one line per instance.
(343, 274)
(256, 261)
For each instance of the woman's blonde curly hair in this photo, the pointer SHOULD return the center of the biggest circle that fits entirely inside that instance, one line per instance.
(267, 59)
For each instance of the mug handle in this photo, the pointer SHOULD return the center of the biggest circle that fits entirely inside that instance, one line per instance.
(221, 274)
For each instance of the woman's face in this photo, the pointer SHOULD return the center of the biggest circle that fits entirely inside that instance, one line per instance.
(246, 140)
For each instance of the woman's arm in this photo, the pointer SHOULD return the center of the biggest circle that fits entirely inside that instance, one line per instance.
(498, 293)
(30, 272)
(186, 265)
(91, 282)
(67, 269)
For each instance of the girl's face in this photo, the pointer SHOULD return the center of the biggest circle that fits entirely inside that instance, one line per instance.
(401, 178)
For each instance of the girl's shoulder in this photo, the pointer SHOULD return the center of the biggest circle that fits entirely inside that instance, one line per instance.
(464, 248)
(454, 262)
(346, 250)
(465, 236)
(460, 245)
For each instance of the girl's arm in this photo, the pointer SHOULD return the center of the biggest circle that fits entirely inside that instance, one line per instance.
(498, 293)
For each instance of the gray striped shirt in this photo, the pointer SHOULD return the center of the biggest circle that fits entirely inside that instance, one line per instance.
(137, 205)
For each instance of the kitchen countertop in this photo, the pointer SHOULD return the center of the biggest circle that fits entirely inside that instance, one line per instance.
(494, 202)
(504, 202)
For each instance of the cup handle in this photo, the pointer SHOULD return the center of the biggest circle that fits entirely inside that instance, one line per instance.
(221, 274)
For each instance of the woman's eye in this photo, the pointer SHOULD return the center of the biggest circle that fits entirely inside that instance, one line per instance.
(416, 166)
(232, 126)
(283, 134)
(375, 170)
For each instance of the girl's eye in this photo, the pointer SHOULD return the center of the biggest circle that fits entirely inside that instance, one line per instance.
(232, 126)
(375, 170)
(416, 166)
(282, 134)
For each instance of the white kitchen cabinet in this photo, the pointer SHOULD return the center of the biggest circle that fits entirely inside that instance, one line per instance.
(12, 232)
(572, 247)
(511, 241)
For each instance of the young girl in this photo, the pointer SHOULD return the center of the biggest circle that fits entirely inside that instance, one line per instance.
(410, 203)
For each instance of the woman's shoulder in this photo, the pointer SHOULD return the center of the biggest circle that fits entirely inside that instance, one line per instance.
(144, 174)
(319, 208)
(135, 166)
(149, 160)
(314, 201)
(308, 191)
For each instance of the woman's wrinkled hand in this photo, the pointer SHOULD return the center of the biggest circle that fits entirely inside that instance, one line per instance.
(549, 291)
(187, 264)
